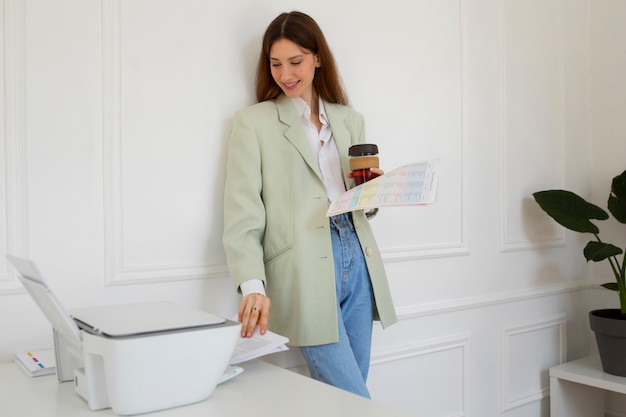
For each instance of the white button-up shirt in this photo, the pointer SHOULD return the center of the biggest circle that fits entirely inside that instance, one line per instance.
(324, 148)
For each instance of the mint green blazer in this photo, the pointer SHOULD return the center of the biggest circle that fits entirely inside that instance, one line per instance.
(275, 224)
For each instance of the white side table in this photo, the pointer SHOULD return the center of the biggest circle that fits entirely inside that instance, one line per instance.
(579, 388)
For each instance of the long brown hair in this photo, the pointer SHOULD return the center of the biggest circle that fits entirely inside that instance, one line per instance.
(305, 32)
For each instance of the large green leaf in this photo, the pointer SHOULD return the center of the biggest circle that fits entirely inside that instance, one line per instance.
(611, 286)
(599, 251)
(617, 199)
(570, 210)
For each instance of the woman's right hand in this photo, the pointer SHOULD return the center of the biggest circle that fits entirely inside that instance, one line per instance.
(254, 310)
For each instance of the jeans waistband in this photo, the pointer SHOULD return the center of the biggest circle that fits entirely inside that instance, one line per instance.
(342, 221)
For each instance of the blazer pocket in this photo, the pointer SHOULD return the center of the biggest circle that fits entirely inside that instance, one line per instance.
(271, 258)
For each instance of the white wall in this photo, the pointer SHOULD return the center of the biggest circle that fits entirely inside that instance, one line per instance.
(115, 115)
(609, 133)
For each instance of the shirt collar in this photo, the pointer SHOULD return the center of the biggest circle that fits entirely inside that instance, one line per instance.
(304, 110)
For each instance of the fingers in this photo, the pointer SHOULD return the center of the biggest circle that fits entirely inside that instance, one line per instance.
(265, 314)
(254, 311)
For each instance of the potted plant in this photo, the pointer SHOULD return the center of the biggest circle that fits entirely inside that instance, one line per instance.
(575, 213)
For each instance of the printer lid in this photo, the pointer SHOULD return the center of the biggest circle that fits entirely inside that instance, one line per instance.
(141, 318)
(36, 285)
(112, 320)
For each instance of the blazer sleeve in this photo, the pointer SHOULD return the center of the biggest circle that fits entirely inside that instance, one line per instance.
(244, 211)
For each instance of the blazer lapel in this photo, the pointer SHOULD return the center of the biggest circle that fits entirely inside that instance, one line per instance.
(295, 133)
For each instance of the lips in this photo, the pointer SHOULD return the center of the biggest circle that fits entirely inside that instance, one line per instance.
(291, 86)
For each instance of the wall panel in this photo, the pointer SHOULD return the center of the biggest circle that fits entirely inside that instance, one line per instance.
(532, 105)
(528, 351)
(164, 144)
(429, 124)
(13, 209)
(398, 375)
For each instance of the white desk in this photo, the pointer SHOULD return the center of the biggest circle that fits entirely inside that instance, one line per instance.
(262, 390)
(579, 388)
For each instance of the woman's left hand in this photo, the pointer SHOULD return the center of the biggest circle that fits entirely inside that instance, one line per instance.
(254, 310)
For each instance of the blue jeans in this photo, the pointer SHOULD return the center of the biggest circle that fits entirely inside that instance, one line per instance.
(345, 364)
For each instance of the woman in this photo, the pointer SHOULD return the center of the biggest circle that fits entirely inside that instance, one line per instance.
(288, 158)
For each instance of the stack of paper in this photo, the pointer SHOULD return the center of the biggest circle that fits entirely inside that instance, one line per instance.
(258, 345)
(37, 362)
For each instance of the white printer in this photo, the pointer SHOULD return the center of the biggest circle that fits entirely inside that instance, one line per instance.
(134, 358)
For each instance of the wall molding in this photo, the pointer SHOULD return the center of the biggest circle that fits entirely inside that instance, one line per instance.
(13, 33)
(460, 246)
(429, 347)
(397, 353)
(508, 333)
(508, 244)
(380, 356)
(116, 271)
(412, 253)
(461, 304)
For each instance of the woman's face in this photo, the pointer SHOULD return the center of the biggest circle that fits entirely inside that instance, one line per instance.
(293, 69)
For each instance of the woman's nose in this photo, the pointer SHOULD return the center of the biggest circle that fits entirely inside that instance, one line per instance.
(285, 74)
